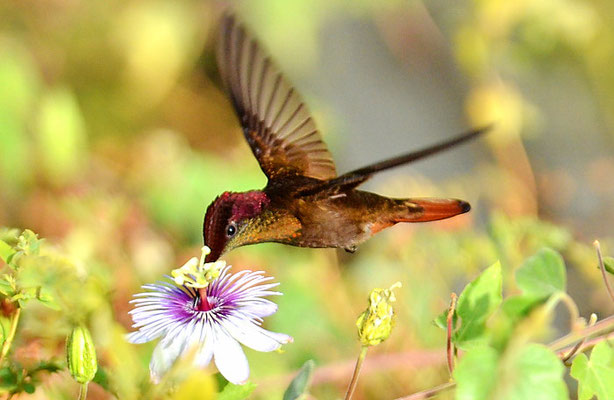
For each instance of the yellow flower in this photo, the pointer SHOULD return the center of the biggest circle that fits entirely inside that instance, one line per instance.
(376, 322)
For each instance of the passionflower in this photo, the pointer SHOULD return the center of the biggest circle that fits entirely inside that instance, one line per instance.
(212, 328)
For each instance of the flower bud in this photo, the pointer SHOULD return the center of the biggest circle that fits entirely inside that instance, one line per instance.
(81, 355)
(376, 322)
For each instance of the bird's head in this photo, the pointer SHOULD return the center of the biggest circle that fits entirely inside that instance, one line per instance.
(228, 220)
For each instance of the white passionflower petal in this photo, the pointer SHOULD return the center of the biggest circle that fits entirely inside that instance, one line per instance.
(261, 309)
(229, 358)
(253, 336)
(205, 352)
(165, 354)
(211, 329)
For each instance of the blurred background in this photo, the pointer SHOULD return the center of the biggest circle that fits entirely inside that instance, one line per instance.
(115, 135)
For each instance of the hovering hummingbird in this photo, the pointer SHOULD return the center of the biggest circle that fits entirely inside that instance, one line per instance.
(304, 202)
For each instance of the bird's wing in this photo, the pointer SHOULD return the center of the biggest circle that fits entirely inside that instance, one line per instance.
(276, 122)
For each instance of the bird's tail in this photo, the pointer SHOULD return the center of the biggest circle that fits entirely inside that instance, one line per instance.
(424, 210)
(420, 210)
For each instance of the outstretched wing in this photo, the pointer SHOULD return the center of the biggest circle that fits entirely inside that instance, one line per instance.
(276, 122)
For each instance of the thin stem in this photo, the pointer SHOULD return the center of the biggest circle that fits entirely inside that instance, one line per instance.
(359, 361)
(449, 349)
(606, 324)
(578, 346)
(602, 268)
(82, 391)
(425, 394)
(9, 339)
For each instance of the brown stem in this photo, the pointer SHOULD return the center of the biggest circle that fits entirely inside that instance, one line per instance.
(449, 349)
(606, 324)
(603, 271)
(578, 346)
(359, 361)
(425, 394)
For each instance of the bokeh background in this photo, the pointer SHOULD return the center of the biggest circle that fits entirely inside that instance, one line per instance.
(115, 135)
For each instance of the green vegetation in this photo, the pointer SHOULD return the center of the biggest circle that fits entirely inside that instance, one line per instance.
(115, 136)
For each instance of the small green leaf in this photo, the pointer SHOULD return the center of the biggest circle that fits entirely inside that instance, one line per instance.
(595, 376)
(517, 307)
(5, 251)
(608, 263)
(48, 300)
(476, 374)
(6, 289)
(442, 320)
(300, 383)
(237, 392)
(28, 243)
(476, 303)
(102, 379)
(28, 388)
(8, 380)
(543, 274)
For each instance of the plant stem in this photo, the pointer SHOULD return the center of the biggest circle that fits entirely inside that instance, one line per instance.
(602, 268)
(606, 325)
(82, 391)
(9, 339)
(425, 394)
(359, 361)
(578, 346)
(450, 352)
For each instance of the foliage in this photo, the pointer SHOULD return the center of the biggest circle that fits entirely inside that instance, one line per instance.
(115, 136)
(298, 386)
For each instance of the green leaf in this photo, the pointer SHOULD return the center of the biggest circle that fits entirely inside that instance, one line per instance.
(608, 263)
(102, 379)
(48, 300)
(532, 372)
(8, 380)
(5, 251)
(476, 374)
(28, 388)
(595, 376)
(6, 289)
(300, 383)
(28, 243)
(476, 303)
(442, 320)
(237, 392)
(518, 307)
(543, 274)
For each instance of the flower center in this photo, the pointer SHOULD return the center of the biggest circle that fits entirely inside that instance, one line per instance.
(204, 303)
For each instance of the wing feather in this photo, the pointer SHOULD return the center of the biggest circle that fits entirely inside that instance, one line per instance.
(276, 122)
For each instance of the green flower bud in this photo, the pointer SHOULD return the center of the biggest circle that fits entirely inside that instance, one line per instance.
(81, 355)
(376, 322)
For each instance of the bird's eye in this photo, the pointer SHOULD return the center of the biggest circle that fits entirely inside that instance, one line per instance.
(231, 229)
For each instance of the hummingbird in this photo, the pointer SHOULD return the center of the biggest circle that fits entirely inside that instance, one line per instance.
(304, 203)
